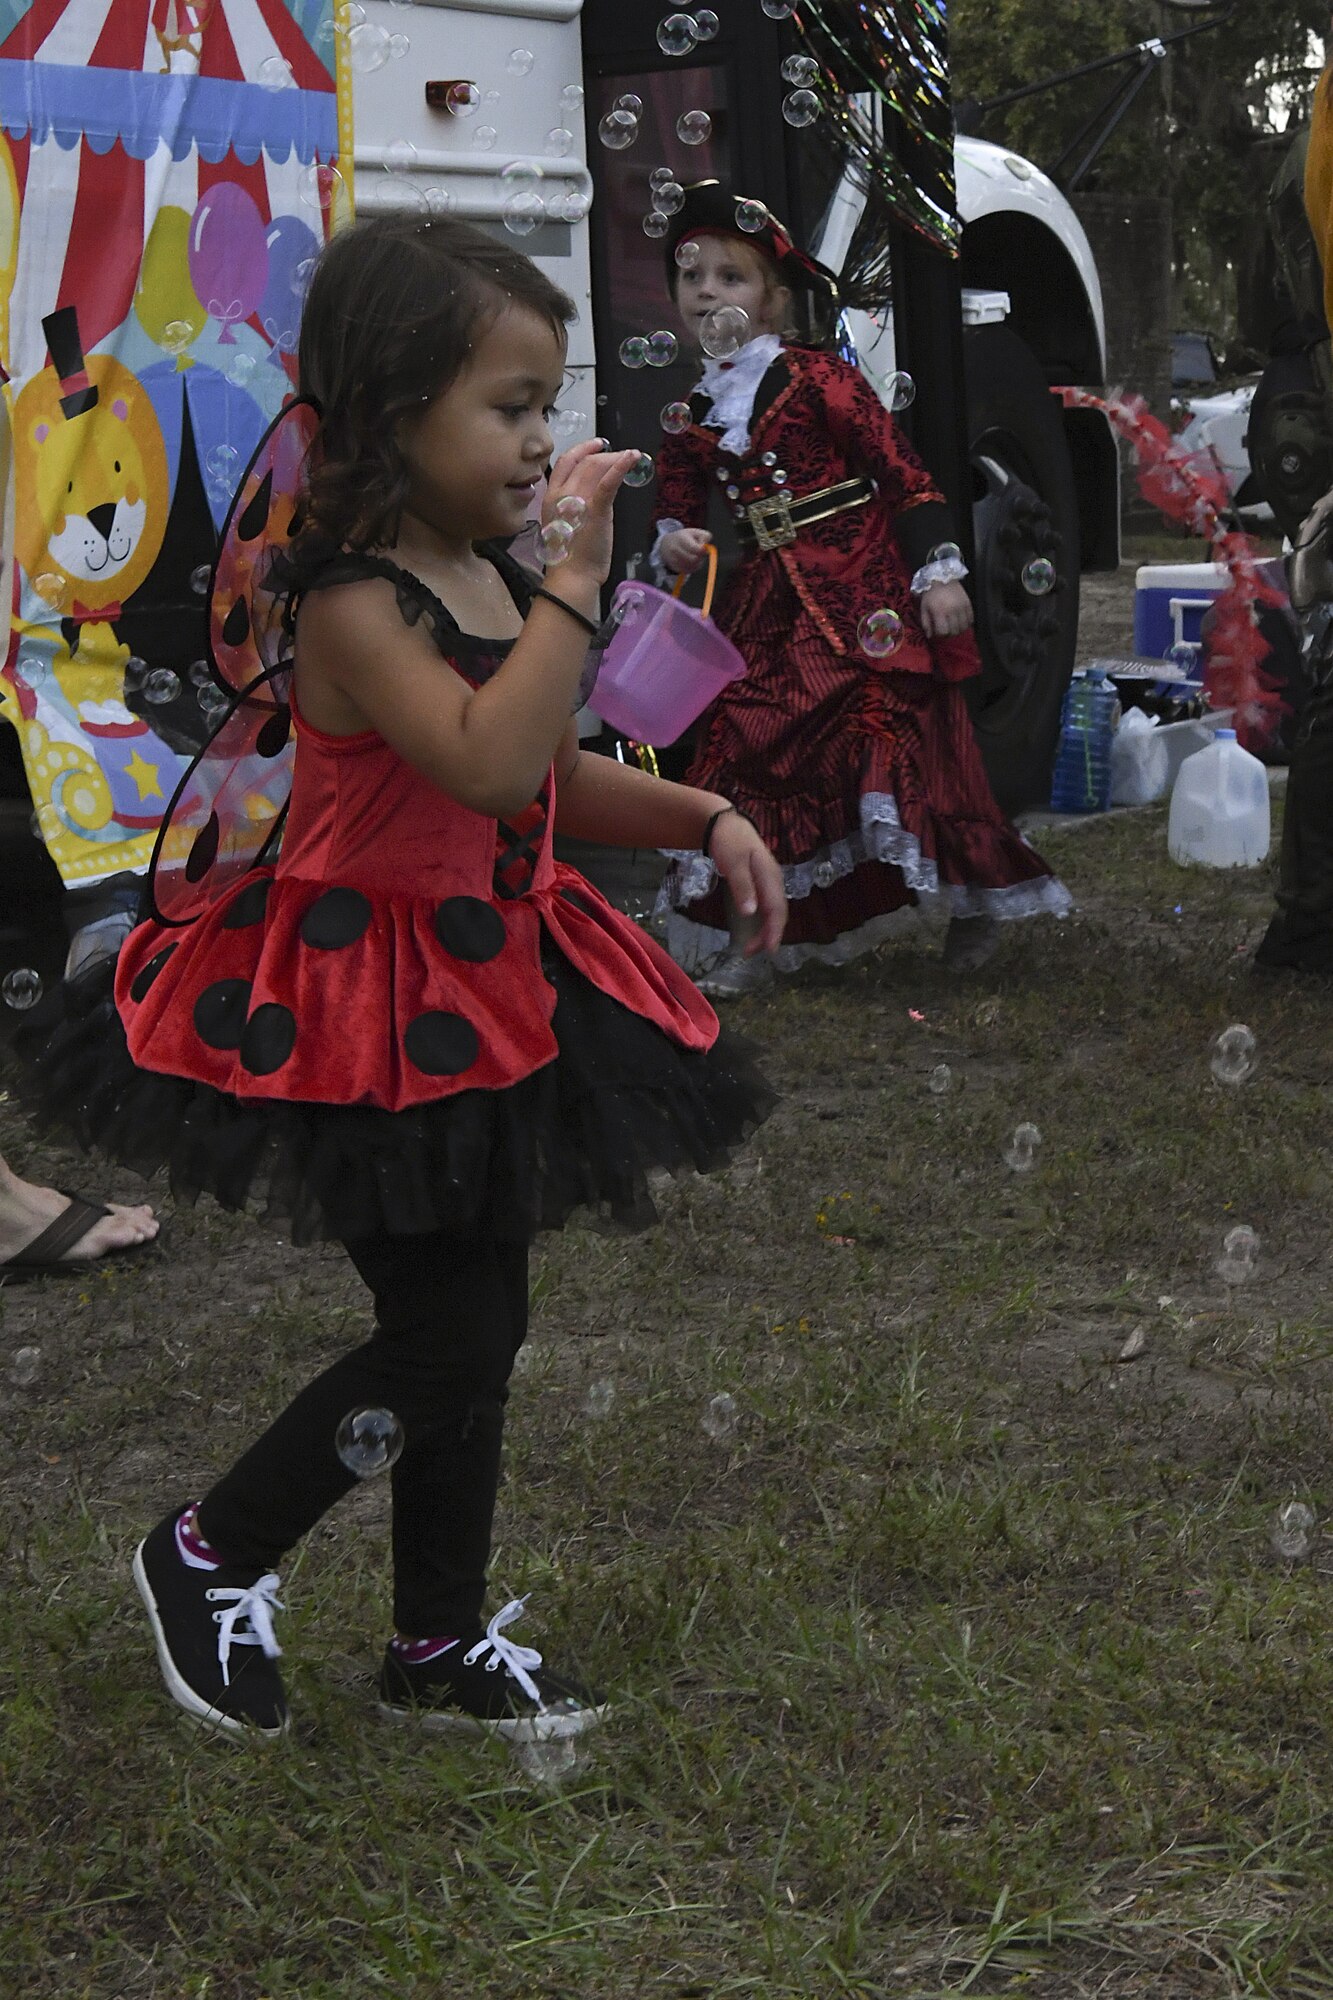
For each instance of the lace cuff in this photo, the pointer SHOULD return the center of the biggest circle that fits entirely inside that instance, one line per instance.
(662, 576)
(939, 568)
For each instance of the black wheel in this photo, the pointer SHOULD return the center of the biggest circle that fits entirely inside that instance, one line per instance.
(1025, 521)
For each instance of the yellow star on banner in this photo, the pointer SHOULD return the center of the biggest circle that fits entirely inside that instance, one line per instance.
(145, 778)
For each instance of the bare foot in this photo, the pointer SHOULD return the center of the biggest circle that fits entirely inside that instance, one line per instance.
(26, 1210)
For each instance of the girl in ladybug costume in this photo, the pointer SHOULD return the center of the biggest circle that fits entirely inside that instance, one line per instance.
(847, 741)
(416, 1031)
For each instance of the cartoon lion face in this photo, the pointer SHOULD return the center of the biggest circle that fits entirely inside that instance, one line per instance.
(91, 493)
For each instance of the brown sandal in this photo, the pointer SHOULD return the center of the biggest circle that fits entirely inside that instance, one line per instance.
(45, 1256)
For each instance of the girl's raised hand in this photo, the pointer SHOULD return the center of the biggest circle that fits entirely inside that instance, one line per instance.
(946, 610)
(753, 879)
(593, 475)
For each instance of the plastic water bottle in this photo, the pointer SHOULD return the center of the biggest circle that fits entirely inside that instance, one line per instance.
(1081, 781)
(1220, 815)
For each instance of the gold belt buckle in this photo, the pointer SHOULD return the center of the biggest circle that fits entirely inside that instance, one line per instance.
(771, 521)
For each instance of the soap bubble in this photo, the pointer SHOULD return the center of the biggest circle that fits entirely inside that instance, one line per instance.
(800, 70)
(1292, 1532)
(560, 142)
(599, 1399)
(693, 127)
(669, 199)
(676, 417)
(1233, 1054)
(800, 107)
(50, 586)
(751, 216)
(319, 184)
(240, 367)
(520, 62)
(400, 157)
(655, 223)
(554, 540)
(275, 73)
(484, 138)
(220, 464)
(440, 200)
(660, 176)
(199, 580)
(211, 701)
(687, 253)
(630, 103)
(617, 130)
(136, 672)
(940, 1081)
(177, 335)
(724, 331)
(523, 212)
(567, 423)
(900, 391)
(571, 206)
(946, 552)
(706, 24)
(634, 352)
(161, 685)
(369, 1441)
(677, 34)
(573, 509)
(368, 47)
(571, 99)
(778, 10)
(628, 604)
(462, 99)
(1240, 1254)
(399, 46)
(1039, 576)
(21, 988)
(1022, 1148)
(25, 1367)
(45, 823)
(880, 633)
(200, 674)
(719, 1418)
(549, 1760)
(662, 349)
(641, 471)
(404, 193)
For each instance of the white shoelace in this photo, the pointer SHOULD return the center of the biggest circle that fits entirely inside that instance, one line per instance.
(257, 1604)
(515, 1659)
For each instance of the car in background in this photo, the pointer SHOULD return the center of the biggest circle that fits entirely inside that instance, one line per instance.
(1217, 419)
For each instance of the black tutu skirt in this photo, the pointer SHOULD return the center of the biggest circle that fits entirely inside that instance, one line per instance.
(620, 1101)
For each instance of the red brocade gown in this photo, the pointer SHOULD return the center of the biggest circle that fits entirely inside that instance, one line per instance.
(861, 774)
(417, 1019)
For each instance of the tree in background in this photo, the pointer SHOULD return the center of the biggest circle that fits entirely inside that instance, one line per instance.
(1210, 129)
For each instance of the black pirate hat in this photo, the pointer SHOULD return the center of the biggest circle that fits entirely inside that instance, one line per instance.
(708, 210)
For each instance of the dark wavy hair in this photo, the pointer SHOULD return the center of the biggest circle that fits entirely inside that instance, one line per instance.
(395, 306)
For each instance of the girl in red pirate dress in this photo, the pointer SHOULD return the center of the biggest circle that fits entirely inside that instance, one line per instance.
(417, 1031)
(847, 741)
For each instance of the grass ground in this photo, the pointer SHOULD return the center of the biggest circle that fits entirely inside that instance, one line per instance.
(960, 1664)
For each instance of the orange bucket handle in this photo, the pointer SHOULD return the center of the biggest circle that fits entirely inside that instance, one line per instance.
(679, 585)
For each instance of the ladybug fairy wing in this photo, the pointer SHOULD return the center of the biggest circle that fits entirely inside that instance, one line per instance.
(226, 814)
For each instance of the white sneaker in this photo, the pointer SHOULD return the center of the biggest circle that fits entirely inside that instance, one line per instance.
(735, 977)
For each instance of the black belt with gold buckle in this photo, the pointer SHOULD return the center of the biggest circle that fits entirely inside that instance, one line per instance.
(774, 522)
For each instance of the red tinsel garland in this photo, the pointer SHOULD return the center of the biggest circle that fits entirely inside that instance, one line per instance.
(1190, 489)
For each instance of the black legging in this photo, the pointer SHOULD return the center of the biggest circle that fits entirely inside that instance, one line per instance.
(451, 1314)
(1301, 934)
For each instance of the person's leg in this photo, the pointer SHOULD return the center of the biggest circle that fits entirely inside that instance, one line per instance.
(26, 1209)
(450, 1317)
(1300, 936)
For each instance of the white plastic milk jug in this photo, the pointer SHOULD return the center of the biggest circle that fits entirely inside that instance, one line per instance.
(1219, 808)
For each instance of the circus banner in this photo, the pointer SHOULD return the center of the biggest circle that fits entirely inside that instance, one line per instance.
(168, 173)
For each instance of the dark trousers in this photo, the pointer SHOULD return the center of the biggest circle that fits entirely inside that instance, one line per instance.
(451, 1314)
(1301, 934)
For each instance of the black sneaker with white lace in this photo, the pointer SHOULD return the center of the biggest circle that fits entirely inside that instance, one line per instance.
(486, 1685)
(214, 1633)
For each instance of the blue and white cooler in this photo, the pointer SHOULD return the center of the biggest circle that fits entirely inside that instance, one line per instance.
(1170, 603)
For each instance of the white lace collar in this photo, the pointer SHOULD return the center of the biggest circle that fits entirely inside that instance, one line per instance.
(732, 387)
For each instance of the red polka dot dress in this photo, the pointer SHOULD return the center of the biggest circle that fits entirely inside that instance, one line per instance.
(415, 1019)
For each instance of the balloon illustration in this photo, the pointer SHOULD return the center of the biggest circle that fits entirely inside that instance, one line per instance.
(228, 255)
(292, 250)
(165, 302)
